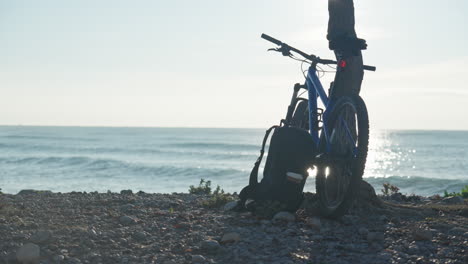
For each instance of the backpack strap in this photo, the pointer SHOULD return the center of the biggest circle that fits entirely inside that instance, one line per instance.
(249, 190)
(254, 173)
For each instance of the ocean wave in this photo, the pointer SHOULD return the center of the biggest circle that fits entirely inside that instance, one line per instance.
(216, 154)
(419, 185)
(224, 146)
(119, 167)
(57, 138)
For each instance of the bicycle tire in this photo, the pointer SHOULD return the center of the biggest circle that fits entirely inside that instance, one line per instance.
(345, 169)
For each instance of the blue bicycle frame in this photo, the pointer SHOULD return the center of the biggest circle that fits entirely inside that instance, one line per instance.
(315, 90)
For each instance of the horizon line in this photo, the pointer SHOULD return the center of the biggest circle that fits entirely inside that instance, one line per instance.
(212, 127)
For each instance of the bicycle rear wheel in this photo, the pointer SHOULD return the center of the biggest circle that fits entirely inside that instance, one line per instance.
(339, 175)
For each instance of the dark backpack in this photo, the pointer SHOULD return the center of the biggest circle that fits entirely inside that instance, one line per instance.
(290, 155)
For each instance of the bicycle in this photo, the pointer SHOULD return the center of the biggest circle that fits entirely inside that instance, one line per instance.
(340, 132)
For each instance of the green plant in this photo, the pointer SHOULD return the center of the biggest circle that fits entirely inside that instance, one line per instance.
(389, 189)
(204, 187)
(217, 199)
(463, 193)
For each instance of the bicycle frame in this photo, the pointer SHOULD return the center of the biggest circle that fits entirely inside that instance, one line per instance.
(315, 91)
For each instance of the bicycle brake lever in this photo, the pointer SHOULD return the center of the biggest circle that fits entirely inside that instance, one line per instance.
(283, 50)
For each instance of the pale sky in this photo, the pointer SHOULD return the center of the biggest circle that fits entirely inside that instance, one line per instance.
(203, 64)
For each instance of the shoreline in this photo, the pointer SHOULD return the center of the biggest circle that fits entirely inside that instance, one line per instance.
(129, 227)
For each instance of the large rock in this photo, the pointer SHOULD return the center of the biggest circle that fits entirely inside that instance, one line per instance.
(28, 253)
(367, 194)
(31, 191)
(126, 192)
(453, 200)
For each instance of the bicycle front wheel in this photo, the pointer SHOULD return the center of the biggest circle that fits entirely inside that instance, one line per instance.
(339, 175)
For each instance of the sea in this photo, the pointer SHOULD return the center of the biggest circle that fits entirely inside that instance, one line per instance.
(167, 160)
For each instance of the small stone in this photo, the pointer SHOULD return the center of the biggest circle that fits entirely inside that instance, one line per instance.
(363, 231)
(58, 258)
(453, 200)
(230, 237)
(422, 234)
(28, 253)
(375, 237)
(198, 259)
(349, 219)
(183, 225)
(127, 220)
(41, 236)
(127, 207)
(140, 236)
(92, 233)
(230, 205)
(73, 260)
(456, 231)
(210, 245)
(315, 223)
(284, 216)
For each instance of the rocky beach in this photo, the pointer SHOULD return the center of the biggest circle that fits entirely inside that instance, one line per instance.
(128, 227)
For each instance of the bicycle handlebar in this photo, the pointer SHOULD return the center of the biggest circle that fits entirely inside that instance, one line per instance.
(271, 39)
(313, 58)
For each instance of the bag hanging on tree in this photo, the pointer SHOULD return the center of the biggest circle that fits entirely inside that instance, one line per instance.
(290, 155)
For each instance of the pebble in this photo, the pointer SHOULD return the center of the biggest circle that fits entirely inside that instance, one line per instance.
(230, 237)
(456, 231)
(127, 220)
(28, 253)
(198, 259)
(127, 207)
(230, 205)
(58, 258)
(210, 245)
(315, 223)
(421, 234)
(349, 219)
(139, 236)
(375, 237)
(284, 216)
(363, 231)
(41, 236)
